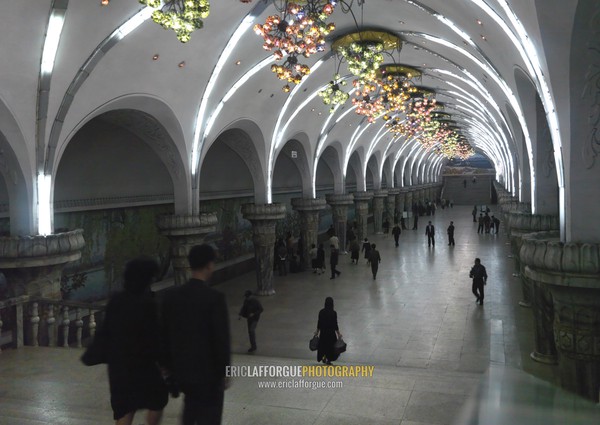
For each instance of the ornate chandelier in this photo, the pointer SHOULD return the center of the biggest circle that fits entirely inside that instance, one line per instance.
(181, 16)
(333, 94)
(298, 30)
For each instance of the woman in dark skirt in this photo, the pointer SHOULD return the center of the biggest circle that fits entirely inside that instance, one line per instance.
(130, 331)
(328, 332)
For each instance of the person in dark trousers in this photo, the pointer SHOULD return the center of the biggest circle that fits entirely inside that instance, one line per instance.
(282, 253)
(386, 227)
(130, 339)
(430, 232)
(416, 222)
(496, 222)
(354, 251)
(366, 248)
(480, 225)
(321, 258)
(451, 234)
(396, 232)
(474, 214)
(375, 259)
(487, 221)
(196, 340)
(328, 332)
(333, 261)
(251, 311)
(479, 276)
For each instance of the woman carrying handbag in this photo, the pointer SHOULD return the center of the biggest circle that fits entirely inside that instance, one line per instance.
(328, 333)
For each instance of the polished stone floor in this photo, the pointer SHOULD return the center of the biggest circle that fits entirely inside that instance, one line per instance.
(418, 323)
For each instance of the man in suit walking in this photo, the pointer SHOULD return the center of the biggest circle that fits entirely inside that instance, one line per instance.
(196, 341)
(479, 276)
(430, 232)
(396, 231)
(333, 261)
(451, 234)
(251, 311)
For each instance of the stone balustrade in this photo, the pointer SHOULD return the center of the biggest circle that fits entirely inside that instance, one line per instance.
(47, 322)
(566, 297)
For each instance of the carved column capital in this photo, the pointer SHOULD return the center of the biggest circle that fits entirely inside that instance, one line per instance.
(33, 264)
(571, 273)
(308, 204)
(364, 196)
(381, 193)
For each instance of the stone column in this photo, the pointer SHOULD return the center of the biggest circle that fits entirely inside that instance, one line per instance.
(264, 219)
(521, 225)
(361, 206)
(378, 199)
(571, 273)
(33, 265)
(401, 201)
(409, 200)
(339, 210)
(391, 204)
(185, 231)
(309, 210)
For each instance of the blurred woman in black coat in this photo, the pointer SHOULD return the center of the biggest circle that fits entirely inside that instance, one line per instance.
(328, 332)
(130, 333)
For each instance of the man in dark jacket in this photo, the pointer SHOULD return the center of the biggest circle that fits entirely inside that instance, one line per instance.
(251, 311)
(451, 234)
(374, 259)
(396, 231)
(430, 232)
(496, 223)
(479, 276)
(196, 341)
(333, 261)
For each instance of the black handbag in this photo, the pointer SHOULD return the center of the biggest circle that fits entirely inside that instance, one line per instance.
(340, 346)
(97, 351)
(314, 343)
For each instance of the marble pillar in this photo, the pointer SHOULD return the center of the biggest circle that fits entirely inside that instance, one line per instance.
(409, 200)
(33, 265)
(391, 205)
(185, 231)
(571, 273)
(401, 202)
(521, 225)
(339, 209)
(378, 203)
(309, 210)
(361, 208)
(264, 219)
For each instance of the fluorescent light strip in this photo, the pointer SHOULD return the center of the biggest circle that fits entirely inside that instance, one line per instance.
(199, 134)
(55, 27)
(44, 190)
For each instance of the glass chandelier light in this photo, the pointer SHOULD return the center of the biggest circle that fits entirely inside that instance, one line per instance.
(333, 94)
(298, 30)
(181, 16)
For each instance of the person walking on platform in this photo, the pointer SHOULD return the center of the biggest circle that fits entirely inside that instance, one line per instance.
(366, 248)
(321, 259)
(487, 221)
(474, 213)
(415, 221)
(479, 276)
(430, 232)
(375, 259)
(354, 251)
(251, 311)
(396, 232)
(480, 225)
(451, 234)
(496, 222)
(333, 262)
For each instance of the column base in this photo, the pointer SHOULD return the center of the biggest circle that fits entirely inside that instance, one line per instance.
(543, 358)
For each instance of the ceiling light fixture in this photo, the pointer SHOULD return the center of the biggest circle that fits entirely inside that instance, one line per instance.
(155, 57)
(181, 16)
(181, 64)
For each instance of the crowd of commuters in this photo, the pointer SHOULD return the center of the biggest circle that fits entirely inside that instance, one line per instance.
(183, 344)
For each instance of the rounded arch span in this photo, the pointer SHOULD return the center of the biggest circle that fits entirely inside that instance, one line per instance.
(248, 141)
(331, 158)
(387, 172)
(153, 122)
(356, 163)
(16, 169)
(373, 165)
(141, 102)
(293, 155)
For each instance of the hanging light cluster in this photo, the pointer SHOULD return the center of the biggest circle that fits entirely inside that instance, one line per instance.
(181, 16)
(333, 94)
(298, 30)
